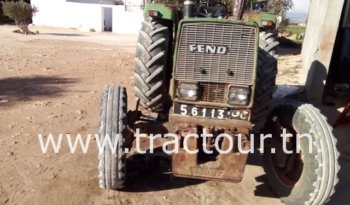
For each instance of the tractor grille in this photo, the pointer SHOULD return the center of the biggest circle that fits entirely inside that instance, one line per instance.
(213, 92)
(234, 67)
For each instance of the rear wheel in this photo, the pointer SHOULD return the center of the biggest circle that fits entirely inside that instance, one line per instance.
(310, 175)
(152, 52)
(113, 128)
(266, 77)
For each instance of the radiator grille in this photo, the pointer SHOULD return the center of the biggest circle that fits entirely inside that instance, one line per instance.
(235, 67)
(214, 92)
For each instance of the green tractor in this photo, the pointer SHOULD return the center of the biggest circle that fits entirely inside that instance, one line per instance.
(204, 70)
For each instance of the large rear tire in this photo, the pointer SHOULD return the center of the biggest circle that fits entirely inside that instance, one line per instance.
(151, 63)
(113, 125)
(266, 77)
(308, 177)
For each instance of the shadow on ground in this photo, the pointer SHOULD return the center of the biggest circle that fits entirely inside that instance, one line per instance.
(152, 172)
(14, 90)
(288, 47)
(62, 34)
(341, 194)
(263, 189)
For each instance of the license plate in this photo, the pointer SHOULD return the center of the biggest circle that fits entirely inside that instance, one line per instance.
(189, 110)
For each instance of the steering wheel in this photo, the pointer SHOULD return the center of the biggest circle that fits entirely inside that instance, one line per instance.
(215, 10)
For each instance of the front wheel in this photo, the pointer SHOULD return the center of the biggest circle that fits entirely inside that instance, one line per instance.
(307, 176)
(112, 134)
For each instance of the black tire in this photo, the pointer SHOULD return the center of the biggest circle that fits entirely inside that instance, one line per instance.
(266, 77)
(113, 124)
(311, 176)
(151, 60)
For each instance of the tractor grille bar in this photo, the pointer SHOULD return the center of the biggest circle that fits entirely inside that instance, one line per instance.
(236, 66)
(214, 92)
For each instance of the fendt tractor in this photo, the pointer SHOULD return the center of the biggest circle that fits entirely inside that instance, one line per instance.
(205, 67)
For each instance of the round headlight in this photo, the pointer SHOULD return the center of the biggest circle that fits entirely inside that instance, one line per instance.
(188, 91)
(238, 96)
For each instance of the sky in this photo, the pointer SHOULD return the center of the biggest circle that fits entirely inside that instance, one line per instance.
(301, 6)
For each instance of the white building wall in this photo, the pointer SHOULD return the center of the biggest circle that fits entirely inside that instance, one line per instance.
(84, 16)
(126, 22)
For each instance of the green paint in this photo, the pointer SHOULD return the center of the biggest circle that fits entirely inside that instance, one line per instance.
(259, 17)
(216, 20)
(165, 11)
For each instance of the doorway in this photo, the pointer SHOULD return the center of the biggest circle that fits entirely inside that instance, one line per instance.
(107, 13)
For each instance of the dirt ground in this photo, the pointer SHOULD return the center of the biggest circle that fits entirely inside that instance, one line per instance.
(51, 83)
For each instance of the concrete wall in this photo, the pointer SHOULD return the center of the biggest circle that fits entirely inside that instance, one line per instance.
(320, 36)
(85, 16)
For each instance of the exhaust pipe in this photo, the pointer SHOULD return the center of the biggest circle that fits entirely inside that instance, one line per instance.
(238, 9)
(189, 8)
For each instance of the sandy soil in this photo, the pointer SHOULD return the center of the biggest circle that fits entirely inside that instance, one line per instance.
(51, 83)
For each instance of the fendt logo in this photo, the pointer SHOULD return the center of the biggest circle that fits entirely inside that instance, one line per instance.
(194, 48)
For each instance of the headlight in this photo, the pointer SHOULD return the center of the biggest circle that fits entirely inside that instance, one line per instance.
(238, 96)
(188, 91)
